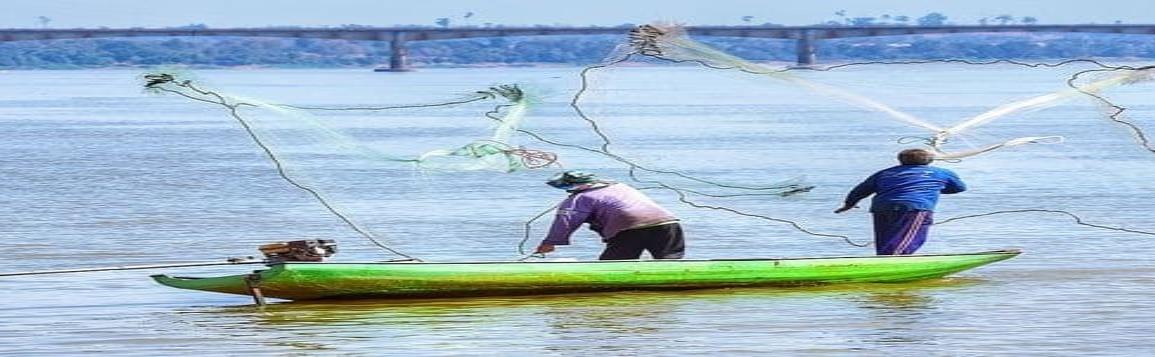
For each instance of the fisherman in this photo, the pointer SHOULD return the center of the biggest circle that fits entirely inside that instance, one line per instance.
(904, 200)
(627, 220)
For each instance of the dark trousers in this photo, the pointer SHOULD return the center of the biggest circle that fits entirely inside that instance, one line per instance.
(663, 242)
(900, 232)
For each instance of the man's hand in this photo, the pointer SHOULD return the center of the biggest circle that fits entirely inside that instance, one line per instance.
(544, 248)
(844, 209)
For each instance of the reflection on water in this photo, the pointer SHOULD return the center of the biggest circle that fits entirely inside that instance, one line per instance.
(900, 316)
(575, 324)
(875, 296)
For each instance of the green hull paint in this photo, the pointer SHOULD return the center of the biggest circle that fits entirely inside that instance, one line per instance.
(310, 281)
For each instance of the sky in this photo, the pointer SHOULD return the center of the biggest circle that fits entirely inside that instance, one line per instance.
(256, 13)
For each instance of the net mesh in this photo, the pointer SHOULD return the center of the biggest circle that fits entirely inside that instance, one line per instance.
(746, 144)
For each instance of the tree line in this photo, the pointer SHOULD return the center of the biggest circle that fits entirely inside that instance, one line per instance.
(569, 50)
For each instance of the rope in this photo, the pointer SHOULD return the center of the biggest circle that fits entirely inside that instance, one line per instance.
(529, 225)
(531, 159)
(952, 60)
(797, 226)
(644, 40)
(482, 96)
(154, 82)
(643, 44)
(1115, 116)
(230, 261)
(1078, 220)
(1117, 110)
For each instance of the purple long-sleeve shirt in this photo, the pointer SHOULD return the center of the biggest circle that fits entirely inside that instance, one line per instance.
(609, 210)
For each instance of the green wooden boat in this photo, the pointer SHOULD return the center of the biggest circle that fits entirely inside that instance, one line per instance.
(311, 281)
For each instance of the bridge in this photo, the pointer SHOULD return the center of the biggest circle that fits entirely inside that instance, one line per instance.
(805, 36)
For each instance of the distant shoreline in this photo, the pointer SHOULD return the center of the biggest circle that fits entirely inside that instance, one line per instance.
(220, 53)
(419, 67)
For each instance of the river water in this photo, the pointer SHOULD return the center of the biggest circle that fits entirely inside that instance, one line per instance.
(95, 172)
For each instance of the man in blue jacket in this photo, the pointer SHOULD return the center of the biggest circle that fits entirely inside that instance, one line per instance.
(904, 200)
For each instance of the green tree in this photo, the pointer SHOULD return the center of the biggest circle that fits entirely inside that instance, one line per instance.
(842, 14)
(932, 19)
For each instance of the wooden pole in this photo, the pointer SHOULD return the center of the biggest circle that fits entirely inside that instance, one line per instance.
(253, 282)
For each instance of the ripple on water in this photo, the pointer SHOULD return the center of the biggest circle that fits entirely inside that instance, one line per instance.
(95, 174)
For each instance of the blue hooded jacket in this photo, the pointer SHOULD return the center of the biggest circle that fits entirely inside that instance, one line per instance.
(906, 188)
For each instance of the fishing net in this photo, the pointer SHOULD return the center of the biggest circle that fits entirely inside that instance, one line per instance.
(326, 157)
(670, 43)
(669, 99)
(283, 125)
(756, 153)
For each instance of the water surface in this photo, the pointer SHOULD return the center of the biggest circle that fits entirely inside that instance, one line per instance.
(97, 173)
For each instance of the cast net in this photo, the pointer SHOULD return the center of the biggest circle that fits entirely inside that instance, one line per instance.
(1029, 135)
(335, 163)
(757, 154)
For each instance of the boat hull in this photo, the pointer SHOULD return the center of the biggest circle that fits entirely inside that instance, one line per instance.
(312, 281)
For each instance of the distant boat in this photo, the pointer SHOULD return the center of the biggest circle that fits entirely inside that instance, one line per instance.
(316, 280)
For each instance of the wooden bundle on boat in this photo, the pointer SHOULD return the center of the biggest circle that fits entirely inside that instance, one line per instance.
(312, 250)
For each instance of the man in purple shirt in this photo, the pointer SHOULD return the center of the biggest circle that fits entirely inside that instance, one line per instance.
(628, 221)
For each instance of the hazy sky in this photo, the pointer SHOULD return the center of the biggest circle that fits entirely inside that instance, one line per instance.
(246, 13)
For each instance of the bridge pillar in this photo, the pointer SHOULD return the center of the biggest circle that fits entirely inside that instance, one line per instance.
(399, 56)
(806, 52)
